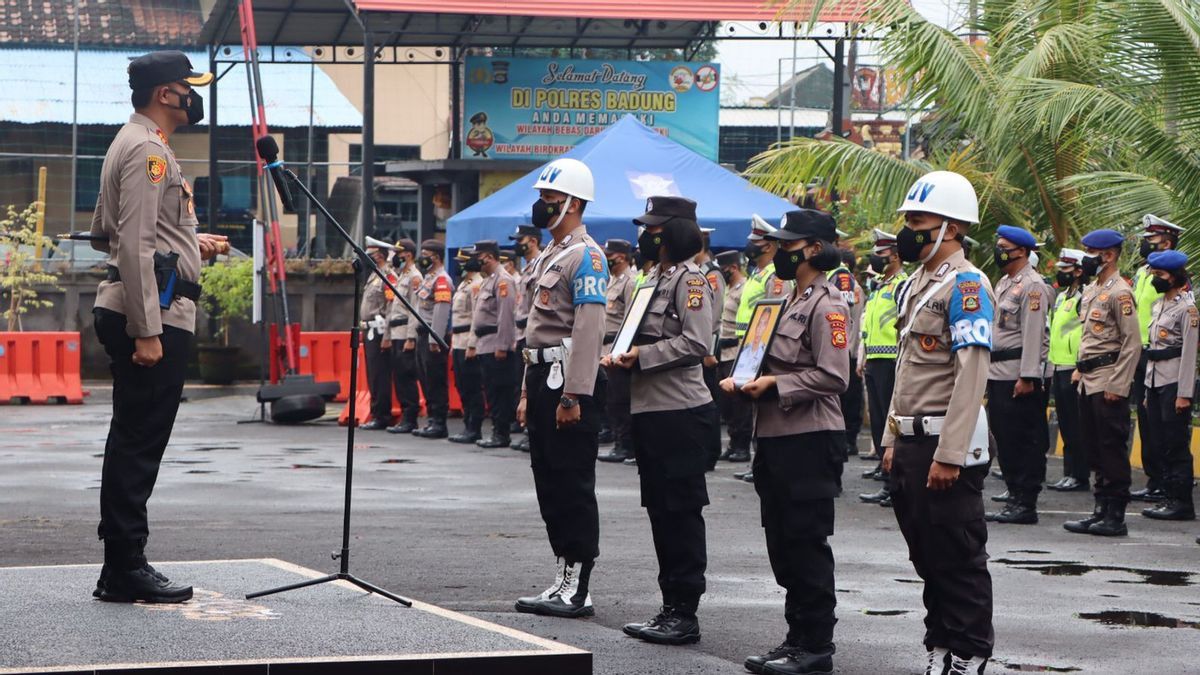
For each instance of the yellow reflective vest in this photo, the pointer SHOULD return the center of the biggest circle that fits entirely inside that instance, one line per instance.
(1065, 330)
(1144, 297)
(754, 291)
(879, 335)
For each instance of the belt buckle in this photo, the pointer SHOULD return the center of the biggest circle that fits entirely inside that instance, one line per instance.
(894, 426)
(525, 357)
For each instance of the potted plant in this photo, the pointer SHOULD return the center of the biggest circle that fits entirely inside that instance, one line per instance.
(228, 294)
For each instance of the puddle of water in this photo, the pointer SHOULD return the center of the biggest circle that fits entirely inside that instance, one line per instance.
(313, 466)
(1138, 619)
(299, 451)
(210, 448)
(1030, 551)
(199, 471)
(886, 612)
(1067, 568)
(908, 581)
(1036, 667)
(187, 461)
(398, 460)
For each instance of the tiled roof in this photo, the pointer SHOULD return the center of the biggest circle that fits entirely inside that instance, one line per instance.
(109, 23)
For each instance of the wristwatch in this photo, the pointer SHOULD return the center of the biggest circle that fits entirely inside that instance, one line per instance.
(568, 402)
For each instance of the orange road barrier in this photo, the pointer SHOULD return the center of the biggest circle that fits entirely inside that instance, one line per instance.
(40, 368)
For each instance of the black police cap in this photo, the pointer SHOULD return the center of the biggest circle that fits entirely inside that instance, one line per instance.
(435, 245)
(526, 231)
(727, 258)
(164, 67)
(806, 224)
(661, 209)
(618, 246)
(487, 246)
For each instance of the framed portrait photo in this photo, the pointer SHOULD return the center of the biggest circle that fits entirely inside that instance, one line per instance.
(752, 352)
(638, 305)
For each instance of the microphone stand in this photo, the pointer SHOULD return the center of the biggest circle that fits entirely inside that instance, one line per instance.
(362, 262)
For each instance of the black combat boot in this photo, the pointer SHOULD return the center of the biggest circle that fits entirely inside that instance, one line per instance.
(1113, 523)
(755, 664)
(1148, 494)
(738, 455)
(433, 429)
(406, 426)
(496, 441)
(619, 453)
(1081, 526)
(1014, 513)
(800, 662)
(876, 497)
(131, 579)
(373, 425)
(470, 433)
(679, 626)
(522, 445)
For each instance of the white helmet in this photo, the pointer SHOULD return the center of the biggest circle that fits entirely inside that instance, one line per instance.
(944, 193)
(568, 176)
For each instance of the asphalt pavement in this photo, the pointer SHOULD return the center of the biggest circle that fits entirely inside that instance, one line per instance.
(458, 526)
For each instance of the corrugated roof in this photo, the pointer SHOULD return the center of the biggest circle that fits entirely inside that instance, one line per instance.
(838, 11)
(35, 87)
(805, 117)
(101, 22)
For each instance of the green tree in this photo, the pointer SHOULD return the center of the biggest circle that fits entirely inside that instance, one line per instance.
(1067, 116)
(228, 293)
(21, 273)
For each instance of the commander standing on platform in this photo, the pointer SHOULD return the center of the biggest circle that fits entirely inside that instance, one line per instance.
(145, 312)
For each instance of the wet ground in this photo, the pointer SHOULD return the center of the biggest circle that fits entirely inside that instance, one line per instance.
(459, 527)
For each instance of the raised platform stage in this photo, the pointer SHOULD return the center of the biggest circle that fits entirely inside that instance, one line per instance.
(50, 624)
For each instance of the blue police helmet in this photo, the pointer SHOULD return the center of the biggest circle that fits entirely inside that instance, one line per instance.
(1017, 235)
(1103, 239)
(1168, 261)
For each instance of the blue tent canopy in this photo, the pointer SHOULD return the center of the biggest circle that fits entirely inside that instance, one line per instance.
(630, 162)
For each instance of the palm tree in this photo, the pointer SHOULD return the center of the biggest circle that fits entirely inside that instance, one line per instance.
(1066, 115)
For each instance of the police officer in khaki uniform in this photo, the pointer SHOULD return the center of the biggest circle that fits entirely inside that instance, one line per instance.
(494, 326)
(528, 246)
(936, 467)
(801, 438)
(403, 337)
(468, 379)
(562, 355)
(1171, 381)
(374, 309)
(145, 221)
(675, 420)
(736, 414)
(1016, 405)
(1109, 350)
(433, 304)
(621, 284)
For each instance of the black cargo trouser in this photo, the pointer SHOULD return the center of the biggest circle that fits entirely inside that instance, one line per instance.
(1021, 437)
(379, 378)
(947, 543)
(1171, 436)
(1076, 461)
(796, 481)
(564, 468)
(431, 373)
(618, 407)
(145, 402)
(404, 377)
(673, 449)
(880, 376)
(852, 408)
(1152, 458)
(714, 390)
(1105, 431)
(468, 380)
(498, 388)
(740, 418)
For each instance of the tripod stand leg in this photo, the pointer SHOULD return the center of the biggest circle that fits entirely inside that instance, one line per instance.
(292, 587)
(371, 588)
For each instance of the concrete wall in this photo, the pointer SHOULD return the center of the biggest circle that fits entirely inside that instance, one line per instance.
(318, 302)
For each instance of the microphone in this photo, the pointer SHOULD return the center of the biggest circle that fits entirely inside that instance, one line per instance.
(268, 149)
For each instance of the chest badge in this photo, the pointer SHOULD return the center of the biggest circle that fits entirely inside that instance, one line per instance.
(928, 343)
(156, 168)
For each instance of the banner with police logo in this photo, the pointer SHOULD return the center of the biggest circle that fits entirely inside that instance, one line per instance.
(516, 108)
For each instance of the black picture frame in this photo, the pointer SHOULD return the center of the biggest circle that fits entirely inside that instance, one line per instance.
(756, 343)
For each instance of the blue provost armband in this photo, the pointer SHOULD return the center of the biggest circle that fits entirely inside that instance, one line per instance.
(590, 285)
(970, 313)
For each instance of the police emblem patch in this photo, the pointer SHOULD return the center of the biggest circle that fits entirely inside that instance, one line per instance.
(777, 287)
(928, 342)
(970, 295)
(837, 329)
(693, 281)
(1104, 297)
(1163, 333)
(1126, 306)
(156, 168)
(502, 289)
(1035, 301)
(1096, 314)
(1098, 328)
(713, 280)
(597, 263)
(544, 298)
(695, 299)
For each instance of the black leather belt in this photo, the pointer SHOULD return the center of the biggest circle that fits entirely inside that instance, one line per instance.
(398, 322)
(1165, 354)
(521, 323)
(486, 330)
(1088, 365)
(726, 343)
(1006, 355)
(183, 288)
(460, 329)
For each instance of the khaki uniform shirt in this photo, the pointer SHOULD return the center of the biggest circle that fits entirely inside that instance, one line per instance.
(495, 307)
(1022, 301)
(525, 284)
(145, 206)
(810, 359)
(1176, 323)
(1110, 324)
(620, 291)
(433, 303)
(376, 298)
(733, 297)
(672, 342)
(716, 281)
(462, 310)
(944, 352)
(408, 283)
(568, 299)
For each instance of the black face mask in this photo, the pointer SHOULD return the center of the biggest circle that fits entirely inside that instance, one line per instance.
(612, 262)
(397, 262)
(878, 263)
(728, 276)
(545, 213)
(1002, 257)
(425, 263)
(1145, 249)
(1090, 265)
(787, 263)
(192, 104)
(1065, 279)
(752, 251)
(909, 243)
(473, 265)
(649, 244)
(521, 249)
(1162, 285)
